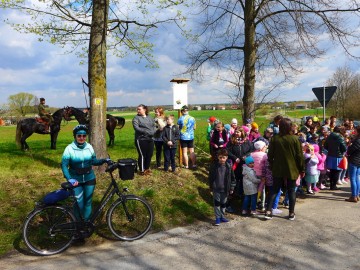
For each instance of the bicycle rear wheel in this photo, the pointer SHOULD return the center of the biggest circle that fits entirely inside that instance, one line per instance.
(49, 230)
(130, 218)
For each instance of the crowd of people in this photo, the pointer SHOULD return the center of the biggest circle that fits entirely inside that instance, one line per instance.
(285, 160)
(256, 167)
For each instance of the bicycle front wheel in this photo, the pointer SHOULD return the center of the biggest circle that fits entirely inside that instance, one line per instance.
(49, 230)
(130, 218)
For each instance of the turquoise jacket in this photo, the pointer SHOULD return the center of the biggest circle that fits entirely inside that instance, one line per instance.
(77, 162)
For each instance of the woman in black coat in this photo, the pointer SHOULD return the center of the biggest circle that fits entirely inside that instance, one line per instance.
(336, 148)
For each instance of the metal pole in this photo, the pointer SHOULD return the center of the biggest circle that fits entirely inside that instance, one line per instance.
(324, 106)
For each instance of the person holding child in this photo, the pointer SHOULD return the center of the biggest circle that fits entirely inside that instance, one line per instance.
(170, 136)
(222, 183)
(250, 184)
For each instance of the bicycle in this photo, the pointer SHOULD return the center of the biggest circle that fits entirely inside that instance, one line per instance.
(51, 229)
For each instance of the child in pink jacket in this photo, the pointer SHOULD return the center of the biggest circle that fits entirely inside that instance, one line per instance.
(320, 166)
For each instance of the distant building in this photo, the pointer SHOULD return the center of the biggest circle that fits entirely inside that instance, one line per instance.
(210, 107)
(220, 107)
(301, 106)
(197, 108)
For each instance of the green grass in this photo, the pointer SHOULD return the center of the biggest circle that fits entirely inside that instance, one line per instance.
(176, 200)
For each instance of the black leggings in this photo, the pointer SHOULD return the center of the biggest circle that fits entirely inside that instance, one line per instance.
(290, 185)
(145, 150)
(334, 177)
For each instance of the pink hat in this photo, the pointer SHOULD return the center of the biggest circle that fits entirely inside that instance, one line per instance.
(246, 129)
(316, 148)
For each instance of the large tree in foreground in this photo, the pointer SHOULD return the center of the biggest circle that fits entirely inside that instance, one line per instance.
(266, 36)
(96, 27)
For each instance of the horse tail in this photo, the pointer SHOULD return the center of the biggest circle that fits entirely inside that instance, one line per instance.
(120, 122)
(18, 134)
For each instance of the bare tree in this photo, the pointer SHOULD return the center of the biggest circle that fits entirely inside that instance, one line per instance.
(91, 28)
(256, 35)
(21, 103)
(345, 101)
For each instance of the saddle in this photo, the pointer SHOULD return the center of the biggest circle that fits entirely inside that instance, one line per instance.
(45, 123)
(41, 121)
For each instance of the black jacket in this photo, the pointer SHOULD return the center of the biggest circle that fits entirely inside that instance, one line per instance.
(229, 179)
(171, 133)
(354, 152)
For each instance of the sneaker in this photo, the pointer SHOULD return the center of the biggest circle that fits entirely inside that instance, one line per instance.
(217, 222)
(229, 209)
(292, 216)
(254, 213)
(335, 188)
(316, 189)
(244, 212)
(310, 192)
(344, 181)
(224, 220)
(322, 187)
(339, 182)
(276, 211)
(268, 215)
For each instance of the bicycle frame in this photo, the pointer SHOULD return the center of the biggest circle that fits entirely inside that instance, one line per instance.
(109, 193)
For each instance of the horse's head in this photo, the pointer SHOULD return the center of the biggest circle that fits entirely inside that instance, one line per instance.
(67, 113)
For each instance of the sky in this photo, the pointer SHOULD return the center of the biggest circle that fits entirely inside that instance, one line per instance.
(45, 70)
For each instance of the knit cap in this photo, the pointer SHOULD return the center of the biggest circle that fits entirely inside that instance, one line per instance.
(248, 160)
(227, 127)
(254, 125)
(234, 121)
(259, 145)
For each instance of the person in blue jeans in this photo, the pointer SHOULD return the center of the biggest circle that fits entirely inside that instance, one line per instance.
(76, 164)
(353, 153)
(250, 185)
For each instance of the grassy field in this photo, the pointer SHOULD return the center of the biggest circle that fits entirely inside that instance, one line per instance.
(176, 199)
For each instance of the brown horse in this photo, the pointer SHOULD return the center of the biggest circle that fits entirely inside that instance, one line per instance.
(26, 127)
(111, 121)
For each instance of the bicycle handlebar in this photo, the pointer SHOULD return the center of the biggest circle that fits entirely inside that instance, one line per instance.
(111, 166)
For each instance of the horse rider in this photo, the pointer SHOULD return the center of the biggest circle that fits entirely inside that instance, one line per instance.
(44, 115)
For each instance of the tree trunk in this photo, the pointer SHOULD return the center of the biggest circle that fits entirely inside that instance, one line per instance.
(249, 61)
(97, 76)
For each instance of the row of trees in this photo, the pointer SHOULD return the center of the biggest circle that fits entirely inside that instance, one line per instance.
(243, 39)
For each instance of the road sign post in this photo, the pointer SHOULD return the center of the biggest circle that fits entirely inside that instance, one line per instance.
(324, 94)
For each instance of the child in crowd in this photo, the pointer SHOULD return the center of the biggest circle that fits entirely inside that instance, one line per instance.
(254, 132)
(170, 136)
(311, 161)
(260, 157)
(222, 183)
(219, 139)
(210, 127)
(320, 167)
(233, 126)
(250, 184)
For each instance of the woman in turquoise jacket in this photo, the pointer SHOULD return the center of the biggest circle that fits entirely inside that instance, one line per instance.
(76, 164)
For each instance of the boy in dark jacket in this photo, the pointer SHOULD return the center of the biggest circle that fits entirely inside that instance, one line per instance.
(170, 136)
(222, 183)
